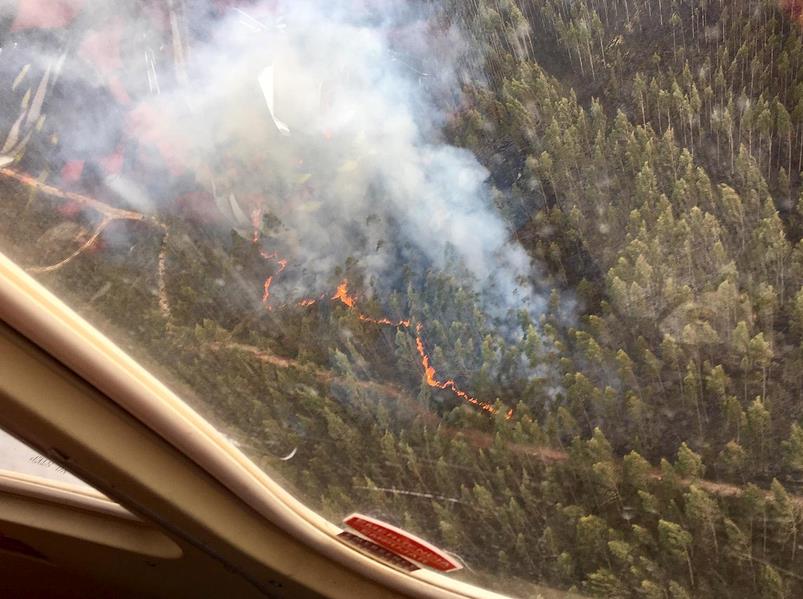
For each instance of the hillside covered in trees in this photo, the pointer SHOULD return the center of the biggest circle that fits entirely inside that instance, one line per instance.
(635, 430)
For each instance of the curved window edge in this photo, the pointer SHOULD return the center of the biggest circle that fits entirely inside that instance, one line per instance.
(62, 493)
(37, 314)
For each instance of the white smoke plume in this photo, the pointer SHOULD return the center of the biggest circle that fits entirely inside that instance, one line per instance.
(325, 115)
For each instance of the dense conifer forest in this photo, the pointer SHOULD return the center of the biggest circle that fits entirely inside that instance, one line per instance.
(640, 434)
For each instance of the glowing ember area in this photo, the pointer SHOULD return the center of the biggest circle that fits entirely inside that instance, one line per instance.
(266, 289)
(266, 285)
(450, 385)
(306, 302)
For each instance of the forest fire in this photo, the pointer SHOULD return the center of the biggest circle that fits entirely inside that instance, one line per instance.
(282, 262)
(545, 292)
(266, 289)
(342, 294)
(432, 376)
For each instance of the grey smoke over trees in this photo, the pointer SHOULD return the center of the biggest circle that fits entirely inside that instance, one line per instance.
(363, 172)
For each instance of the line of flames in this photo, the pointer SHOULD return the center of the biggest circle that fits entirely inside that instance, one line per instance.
(343, 296)
(282, 262)
(431, 376)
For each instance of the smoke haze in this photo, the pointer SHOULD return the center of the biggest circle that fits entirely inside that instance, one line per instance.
(349, 163)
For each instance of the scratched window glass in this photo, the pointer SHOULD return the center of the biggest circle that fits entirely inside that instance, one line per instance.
(522, 278)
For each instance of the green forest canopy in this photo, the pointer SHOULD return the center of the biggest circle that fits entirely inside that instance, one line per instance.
(648, 155)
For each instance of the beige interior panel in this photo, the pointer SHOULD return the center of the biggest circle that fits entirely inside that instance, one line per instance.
(72, 424)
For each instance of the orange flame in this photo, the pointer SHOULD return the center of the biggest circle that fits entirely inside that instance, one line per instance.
(266, 285)
(342, 294)
(432, 377)
(266, 289)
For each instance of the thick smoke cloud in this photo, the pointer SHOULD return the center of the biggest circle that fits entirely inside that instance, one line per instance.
(349, 163)
(361, 109)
